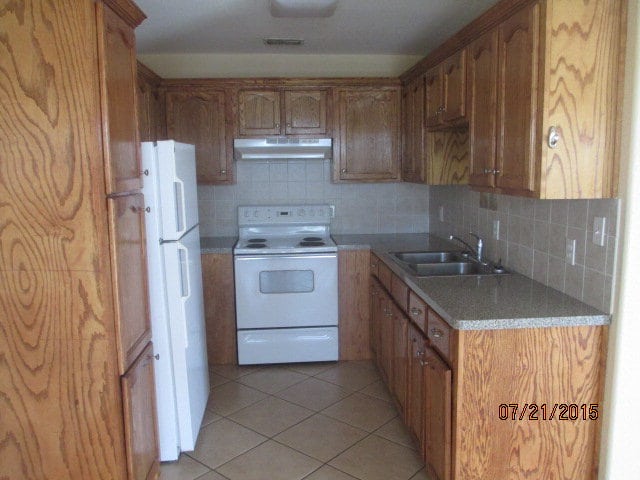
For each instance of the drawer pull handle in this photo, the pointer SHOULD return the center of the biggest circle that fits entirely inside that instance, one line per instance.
(419, 353)
(437, 333)
(415, 311)
(423, 363)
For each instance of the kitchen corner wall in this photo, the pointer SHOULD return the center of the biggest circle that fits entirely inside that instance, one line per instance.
(360, 208)
(532, 237)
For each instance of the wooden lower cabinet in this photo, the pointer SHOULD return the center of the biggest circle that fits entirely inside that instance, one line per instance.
(141, 432)
(452, 384)
(353, 304)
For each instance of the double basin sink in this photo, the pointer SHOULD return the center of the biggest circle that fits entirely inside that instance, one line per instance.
(433, 264)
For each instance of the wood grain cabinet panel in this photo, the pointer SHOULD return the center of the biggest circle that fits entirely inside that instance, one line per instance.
(141, 431)
(305, 112)
(482, 68)
(117, 48)
(414, 413)
(151, 106)
(413, 152)
(433, 96)
(353, 304)
(126, 219)
(437, 415)
(198, 116)
(259, 112)
(400, 357)
(454, 87)
(368, 134)
(219, 308)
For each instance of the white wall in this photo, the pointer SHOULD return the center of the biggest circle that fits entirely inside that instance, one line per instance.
(211, 65)
(621, 436)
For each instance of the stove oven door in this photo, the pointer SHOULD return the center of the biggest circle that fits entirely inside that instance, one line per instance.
(286, 291)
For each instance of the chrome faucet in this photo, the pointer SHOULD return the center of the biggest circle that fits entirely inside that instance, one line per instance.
(476, 251)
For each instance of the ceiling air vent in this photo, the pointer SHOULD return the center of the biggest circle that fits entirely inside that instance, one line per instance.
(283, 41)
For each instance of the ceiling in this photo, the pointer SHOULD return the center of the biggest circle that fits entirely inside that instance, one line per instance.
(374, 27)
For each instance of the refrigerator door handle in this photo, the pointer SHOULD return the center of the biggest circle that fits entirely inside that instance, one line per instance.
(178, 188)
(183, 260)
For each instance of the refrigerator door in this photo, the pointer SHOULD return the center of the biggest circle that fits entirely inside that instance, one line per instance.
(177, 187)
(188, 340)
(165, 396)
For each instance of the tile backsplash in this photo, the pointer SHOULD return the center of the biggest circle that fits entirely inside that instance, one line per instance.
(360, 208)
(532, 237)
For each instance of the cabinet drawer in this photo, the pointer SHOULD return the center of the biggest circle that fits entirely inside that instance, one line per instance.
(417, 311)
(439, 334)
(384, 275)
(374, 263)
(399, 292)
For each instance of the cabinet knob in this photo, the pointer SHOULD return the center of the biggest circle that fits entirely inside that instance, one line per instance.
(495, 172)
(288, 125)
(146, 172)
(223, 172)
(344, 170)
(436, 332)
(553, 138)
(277, 125)
(441, 109)
(487, 170)
(415, 311)
(374, 294)
(148, 209)
(423, 363)
(419, 353)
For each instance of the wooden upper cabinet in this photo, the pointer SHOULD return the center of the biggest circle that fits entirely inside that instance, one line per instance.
(518, 57)
(433, 96)
(198, 116)
(454, 87)
(151, 106)
(305, 112)
(368, 134)
(482, 68)
(259, 112)
(128, 258)
(413, 157)
(117, 55)
(141, 432)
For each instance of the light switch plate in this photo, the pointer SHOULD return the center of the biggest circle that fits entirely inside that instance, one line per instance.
(599, 226)
(570, 252)
(496, 229)
(441, 213)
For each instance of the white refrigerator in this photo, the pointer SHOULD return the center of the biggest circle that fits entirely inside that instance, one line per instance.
(175, 291)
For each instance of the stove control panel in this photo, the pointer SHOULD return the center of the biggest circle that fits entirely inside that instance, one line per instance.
(285, 214)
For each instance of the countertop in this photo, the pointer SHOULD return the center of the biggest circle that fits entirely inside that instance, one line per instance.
(217, 244)
(478, 302)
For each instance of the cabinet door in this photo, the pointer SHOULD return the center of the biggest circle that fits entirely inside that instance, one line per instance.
(369, 134)
(129, 266)
(386, 340)
(437, 416)
(117, 52)
(305, 112)
(144, 111)
(400, 357)
(139, 404)
(198, 117)
(258, 112)
(433, 97)
(413, 131)
(482, 94)
(374, 330)
(454, 80)
(517, 99)
(414, 413)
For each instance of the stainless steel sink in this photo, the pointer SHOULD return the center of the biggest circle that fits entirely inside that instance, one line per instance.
(428, 257)
(433, 264)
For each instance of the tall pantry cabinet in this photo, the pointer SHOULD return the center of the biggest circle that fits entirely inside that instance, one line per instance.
(76, 364)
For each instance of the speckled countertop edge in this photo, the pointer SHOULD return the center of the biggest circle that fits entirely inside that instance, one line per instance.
(478, 302)
(217, 244)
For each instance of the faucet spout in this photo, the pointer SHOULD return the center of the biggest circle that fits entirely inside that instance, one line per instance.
(478, 251)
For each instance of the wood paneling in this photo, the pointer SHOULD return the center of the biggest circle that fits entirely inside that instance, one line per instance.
(367, 144)
(305, 112)
(518, 56)
(219, 308)
(199, 117)
(448, 157)
(582, 56)
(482, 98)
(537, 366)
(128, 256)
(141, 439)
(59, 390)
(353, 304)
(258, 112)
(117, 54)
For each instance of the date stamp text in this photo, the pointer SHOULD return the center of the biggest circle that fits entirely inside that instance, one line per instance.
(548, 411)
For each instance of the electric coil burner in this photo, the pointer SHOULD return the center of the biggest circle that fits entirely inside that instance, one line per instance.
(286, 276)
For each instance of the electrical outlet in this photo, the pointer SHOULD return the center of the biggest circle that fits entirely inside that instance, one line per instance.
(570, 252)
(599, 225)
(441, 213)
(496, 229)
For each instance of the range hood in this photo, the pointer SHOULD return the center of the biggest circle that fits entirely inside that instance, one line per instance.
(281, 148)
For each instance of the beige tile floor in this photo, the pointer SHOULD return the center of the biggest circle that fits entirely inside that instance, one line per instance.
(321, 421)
